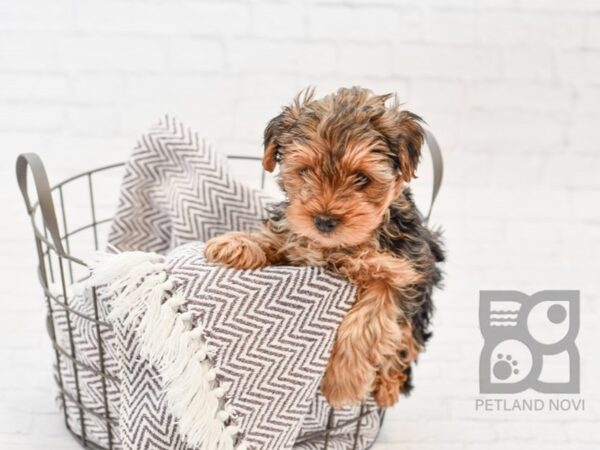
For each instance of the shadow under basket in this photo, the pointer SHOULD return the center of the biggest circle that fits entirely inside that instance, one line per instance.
(90, 415)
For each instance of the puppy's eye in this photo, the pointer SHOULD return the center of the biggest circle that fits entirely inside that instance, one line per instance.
(361, 180)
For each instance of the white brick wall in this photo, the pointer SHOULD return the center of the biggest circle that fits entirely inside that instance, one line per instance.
(511, 88)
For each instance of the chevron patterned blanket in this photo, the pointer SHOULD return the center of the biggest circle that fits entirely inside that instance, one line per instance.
(209, 357)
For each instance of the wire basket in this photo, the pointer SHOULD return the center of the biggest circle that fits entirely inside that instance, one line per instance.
(58, 238)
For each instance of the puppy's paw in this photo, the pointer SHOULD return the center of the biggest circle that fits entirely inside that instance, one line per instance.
(238, 250)
(387, 392)
(344, 389)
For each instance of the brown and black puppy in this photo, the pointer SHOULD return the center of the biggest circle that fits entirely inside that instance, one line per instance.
(344, 160)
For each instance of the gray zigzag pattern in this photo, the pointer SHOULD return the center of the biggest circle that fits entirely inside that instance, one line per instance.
(272, 328)
(143, 421)
(86, 347)
(182, 190)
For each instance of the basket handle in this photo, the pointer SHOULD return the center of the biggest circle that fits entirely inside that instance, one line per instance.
(438, 168)
(42, 187)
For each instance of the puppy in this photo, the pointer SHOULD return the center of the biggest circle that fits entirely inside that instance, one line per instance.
(344, 161)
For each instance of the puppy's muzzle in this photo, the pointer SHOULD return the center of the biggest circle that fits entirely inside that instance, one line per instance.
(325, 223)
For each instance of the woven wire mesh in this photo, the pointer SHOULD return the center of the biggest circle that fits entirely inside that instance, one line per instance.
(59, 268)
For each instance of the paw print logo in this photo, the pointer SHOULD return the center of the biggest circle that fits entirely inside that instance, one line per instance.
(505, 367)
(529, 342)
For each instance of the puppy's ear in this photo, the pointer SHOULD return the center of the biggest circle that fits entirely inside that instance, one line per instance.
(409, 138)
(279, 125)
(404, 136)
(271, 145)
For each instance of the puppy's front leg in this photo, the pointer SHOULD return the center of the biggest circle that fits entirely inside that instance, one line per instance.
(243, 250)
(371, 348)
(392, 374)
(367, 338)
(350, 374)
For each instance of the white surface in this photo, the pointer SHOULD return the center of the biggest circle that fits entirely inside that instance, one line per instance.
(510, 88)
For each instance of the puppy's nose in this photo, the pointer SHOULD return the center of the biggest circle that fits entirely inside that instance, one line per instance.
(325, 223)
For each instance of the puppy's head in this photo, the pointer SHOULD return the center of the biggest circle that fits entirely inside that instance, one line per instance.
(344, 159)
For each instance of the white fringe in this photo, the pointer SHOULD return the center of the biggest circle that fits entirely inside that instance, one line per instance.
(143, 297)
